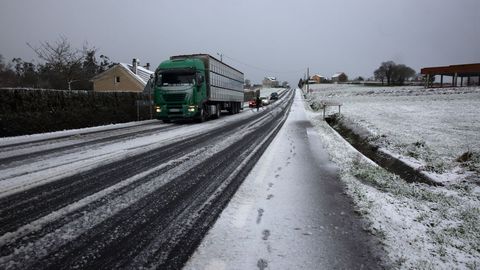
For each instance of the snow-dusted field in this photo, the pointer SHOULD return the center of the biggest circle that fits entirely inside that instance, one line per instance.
(422, 227)
(429, 128)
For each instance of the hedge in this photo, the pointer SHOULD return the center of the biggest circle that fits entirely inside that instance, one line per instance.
(28, 111)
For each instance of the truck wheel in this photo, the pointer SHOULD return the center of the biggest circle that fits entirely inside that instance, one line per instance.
(203, 116)
(236, 108)
(231, 109)
(217, 114)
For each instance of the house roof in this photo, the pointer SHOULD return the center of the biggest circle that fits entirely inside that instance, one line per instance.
(142, 76)
(271, 78)
(336, 75)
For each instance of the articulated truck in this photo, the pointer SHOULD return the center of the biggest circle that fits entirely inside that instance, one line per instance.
(196, 86)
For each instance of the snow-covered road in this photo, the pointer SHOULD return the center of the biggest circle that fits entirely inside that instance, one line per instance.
(129, 197)
(290, 213)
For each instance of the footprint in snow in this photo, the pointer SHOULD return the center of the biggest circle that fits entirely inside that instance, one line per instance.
(262, 264)
(259, 216)
(266, 234)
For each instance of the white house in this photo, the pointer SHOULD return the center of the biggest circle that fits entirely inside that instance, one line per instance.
(270, 82)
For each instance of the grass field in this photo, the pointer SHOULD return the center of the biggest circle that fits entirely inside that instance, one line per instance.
(421, 226)
(430, 128)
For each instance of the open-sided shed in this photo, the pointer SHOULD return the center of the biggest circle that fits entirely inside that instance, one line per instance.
(455, 71)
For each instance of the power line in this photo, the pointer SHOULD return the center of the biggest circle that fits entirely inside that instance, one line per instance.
(263, 69)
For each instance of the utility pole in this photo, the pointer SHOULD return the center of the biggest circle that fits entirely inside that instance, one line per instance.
(308, 79)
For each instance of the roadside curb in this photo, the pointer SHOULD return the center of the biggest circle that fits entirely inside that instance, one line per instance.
(379, 155)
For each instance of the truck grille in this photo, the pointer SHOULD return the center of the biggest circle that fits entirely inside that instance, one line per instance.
(174, 97)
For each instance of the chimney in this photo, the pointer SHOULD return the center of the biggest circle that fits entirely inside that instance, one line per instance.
(135, 63)
(147, 66)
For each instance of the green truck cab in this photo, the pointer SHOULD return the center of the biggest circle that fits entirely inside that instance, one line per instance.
(196, 87)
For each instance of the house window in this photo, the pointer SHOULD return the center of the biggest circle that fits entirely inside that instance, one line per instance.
(117, 79)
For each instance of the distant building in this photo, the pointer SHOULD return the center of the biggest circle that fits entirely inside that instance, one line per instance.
(339, 77)
(318, 78)
(123, 77)
(467, 73)
(270, 82)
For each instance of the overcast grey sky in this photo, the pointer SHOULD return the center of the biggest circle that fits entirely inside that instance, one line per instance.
(259, 37)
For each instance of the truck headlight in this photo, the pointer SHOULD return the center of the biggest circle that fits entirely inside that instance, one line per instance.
(158, 109)
(192, 108)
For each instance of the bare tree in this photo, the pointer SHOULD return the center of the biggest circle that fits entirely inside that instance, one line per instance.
(26, 73)
(401, 73)
(3, 66)
(247, 84)
(62, 60)
(393, 73)
(379, 74)
(7, 75)
(388, 67)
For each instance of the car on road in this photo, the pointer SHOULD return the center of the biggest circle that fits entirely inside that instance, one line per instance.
(265, 101)
(252, 103)
(274, 96)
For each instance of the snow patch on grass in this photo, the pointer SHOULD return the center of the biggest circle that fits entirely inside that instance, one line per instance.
(431, 128)
(422, 227)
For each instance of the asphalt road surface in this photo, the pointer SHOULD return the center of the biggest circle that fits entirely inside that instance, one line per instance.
(146, 207)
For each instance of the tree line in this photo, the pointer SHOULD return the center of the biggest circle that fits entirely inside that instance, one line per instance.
(63, 67)
(389, 72)
(393, 74)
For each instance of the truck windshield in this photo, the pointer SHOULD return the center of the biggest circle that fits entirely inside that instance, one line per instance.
(175, 78)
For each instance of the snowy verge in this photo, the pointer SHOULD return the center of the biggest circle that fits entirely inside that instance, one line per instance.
(422, 227)
(435, 131)
(361, 139)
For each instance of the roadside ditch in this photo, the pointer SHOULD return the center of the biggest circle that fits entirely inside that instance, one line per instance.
(381, 158)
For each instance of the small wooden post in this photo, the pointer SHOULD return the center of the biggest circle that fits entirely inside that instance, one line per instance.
(339, 108)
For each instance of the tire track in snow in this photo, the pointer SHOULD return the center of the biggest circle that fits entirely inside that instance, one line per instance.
(136, 219)
(72, 147)
(22, 208)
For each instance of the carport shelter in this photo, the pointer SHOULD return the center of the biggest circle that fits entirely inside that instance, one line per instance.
(455, 71)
